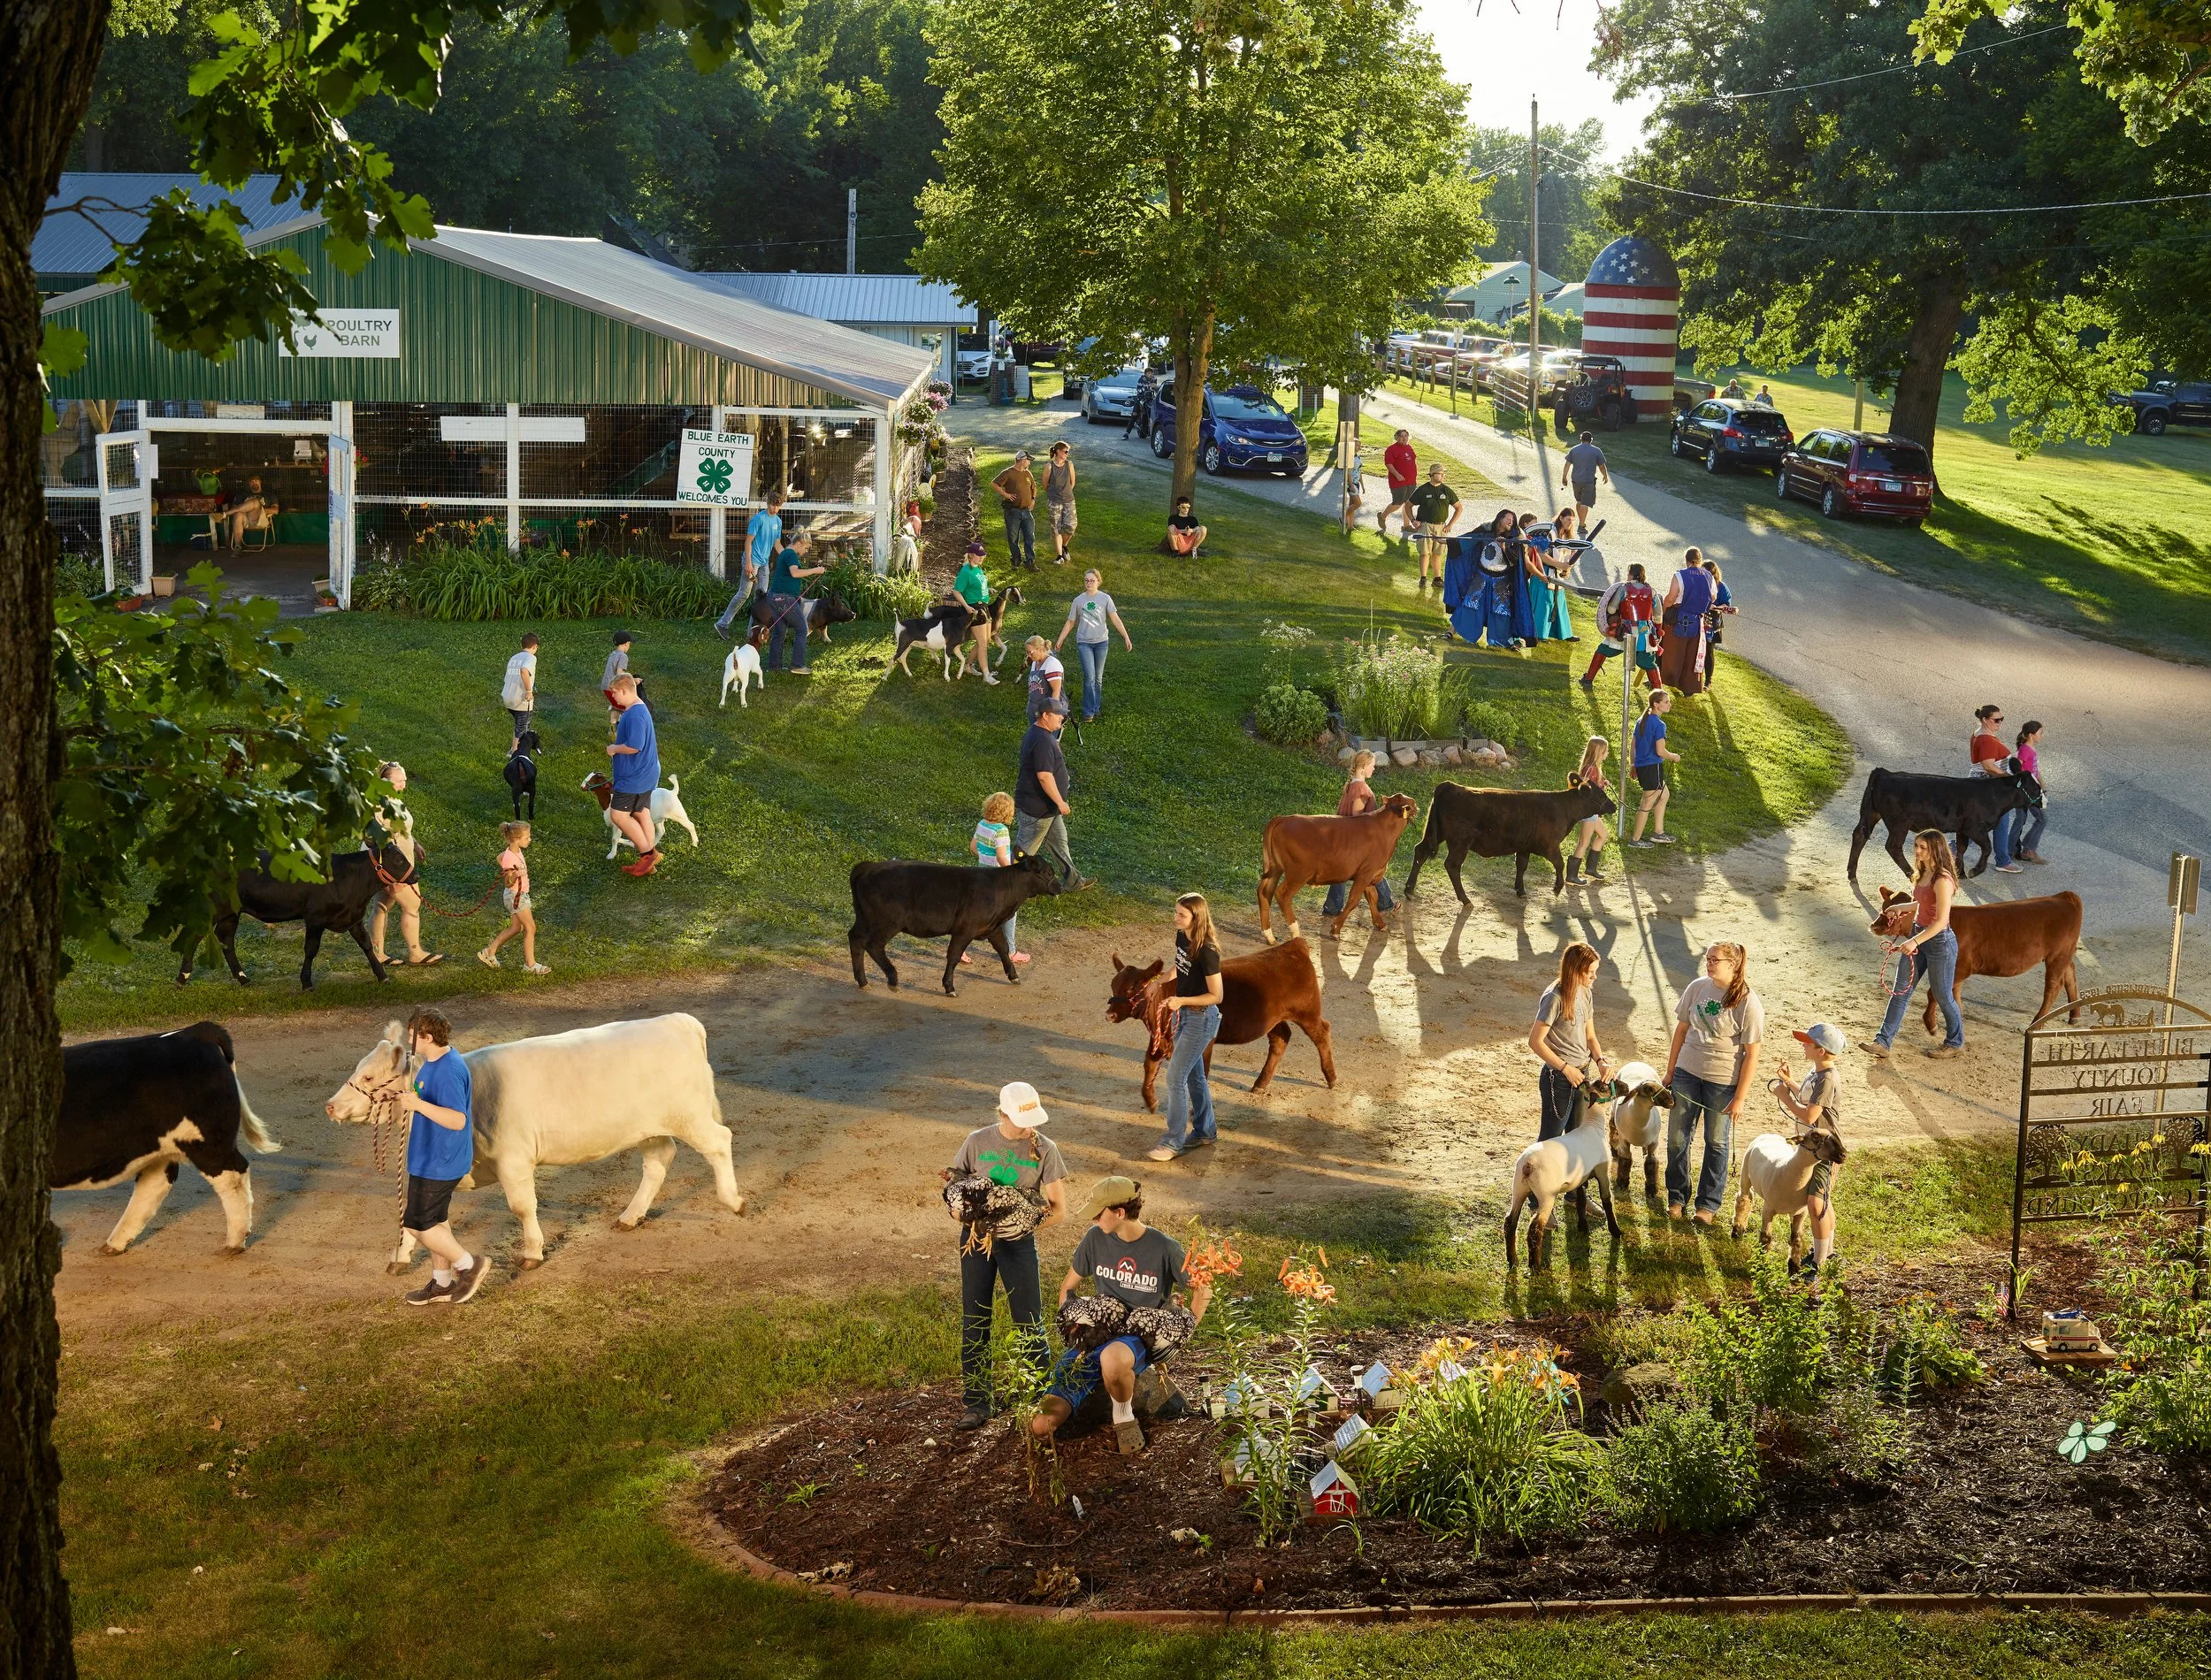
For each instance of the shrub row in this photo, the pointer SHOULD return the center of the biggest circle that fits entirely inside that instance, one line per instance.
(474, 585)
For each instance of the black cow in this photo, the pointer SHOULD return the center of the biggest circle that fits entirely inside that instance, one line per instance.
(934, 900)
(820, 611)
(521, 773)
(1492, 822)
(1965, 806)
(339, 905)
(137, 1108)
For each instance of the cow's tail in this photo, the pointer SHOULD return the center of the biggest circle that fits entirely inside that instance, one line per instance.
(251, 1126)
(1867, 816)
(1429, 837)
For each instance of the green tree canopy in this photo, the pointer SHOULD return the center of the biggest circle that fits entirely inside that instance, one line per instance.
(2152, 56)
(1573, 228)
(1254, 182)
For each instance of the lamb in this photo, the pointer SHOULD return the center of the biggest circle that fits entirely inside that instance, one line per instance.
(1639, 1122)
(1550, 1169)
(1777, 1172)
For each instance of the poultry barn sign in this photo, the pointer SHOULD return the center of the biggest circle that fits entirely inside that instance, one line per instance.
(2115, 1113)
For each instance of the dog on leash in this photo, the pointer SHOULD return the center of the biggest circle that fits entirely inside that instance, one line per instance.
(521, 773)
(666, 807)
(742, 668)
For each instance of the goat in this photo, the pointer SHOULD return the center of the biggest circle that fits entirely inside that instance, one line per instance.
(742, 669)
(522, 773)
(1639, 1122)
(1777, 1172)
(1558, 1165)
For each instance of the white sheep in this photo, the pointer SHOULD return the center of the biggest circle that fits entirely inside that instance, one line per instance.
(1777, 1172)
(1561, 1165)
(1639, 1122)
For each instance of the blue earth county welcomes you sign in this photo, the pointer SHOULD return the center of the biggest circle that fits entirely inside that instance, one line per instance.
(715, 468)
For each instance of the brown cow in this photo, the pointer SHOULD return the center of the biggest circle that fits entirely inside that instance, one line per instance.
(1262, 995)
(1299, 851)
(2002, 939)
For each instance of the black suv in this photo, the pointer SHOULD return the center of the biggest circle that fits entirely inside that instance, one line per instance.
(2167, 403)
(1729, 432)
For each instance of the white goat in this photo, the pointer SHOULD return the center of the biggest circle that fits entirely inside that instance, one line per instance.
(1639, 1122)
(1561, 1165)
(1776, 1173)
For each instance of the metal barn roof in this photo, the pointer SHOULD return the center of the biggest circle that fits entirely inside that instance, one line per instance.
(873, 300)
(76, 243)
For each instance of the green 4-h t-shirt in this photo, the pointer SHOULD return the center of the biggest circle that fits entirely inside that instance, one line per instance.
(1432, 504)
(1029, 1165)
(972, 586)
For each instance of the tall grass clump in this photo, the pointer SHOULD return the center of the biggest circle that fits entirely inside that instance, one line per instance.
(1682, 1470)
(1390, 686)
(475, 585)
(885, 599)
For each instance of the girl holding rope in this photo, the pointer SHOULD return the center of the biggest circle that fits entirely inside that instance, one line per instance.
(1931, 950)
(522, 922)
(398, 826)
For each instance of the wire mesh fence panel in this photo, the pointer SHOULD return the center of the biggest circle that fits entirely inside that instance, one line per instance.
(65, 459)
(607, 452)
(76, 523)
(193, 408)
(430, 451)
(122, 466)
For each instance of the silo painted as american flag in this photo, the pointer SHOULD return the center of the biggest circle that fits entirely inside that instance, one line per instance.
(1632, 312)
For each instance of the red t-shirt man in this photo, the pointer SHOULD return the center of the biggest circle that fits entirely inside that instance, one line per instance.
(1403, 465)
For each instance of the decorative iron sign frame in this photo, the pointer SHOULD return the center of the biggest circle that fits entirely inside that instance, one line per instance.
(2111, 1114)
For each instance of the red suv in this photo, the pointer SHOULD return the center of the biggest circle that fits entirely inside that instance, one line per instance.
(1858, 472)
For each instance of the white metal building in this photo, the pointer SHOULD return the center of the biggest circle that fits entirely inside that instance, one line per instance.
(903, 307)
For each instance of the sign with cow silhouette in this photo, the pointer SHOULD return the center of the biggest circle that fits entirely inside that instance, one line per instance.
(2115, 1113)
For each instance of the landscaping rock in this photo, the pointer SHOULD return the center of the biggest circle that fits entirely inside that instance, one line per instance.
(1433, 757)
(1635, 1386)
(1453, 753)
(1347, 755)
(1404, 758)
(1480, 744)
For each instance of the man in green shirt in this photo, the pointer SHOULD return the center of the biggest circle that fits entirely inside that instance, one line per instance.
(787, 608)
(1436, 507)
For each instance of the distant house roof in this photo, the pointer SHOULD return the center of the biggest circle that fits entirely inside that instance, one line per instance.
(1569, 300)
(855, 299)
(76, 244)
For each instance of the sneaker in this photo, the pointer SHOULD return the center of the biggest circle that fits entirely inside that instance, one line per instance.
(1589, 684)
(2008, 869)
(537, 968)
(801, 670)
(488, 958)
(1129, 1438)
(1640, 845)
(468, 1280)
(432, 1294)
(1199, 1140)
(1661, 839)
(977, 1414)
(1163, 1152)
(2033, 857)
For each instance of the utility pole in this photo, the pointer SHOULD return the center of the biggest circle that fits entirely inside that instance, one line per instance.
(852, 230)
(1857, 414)
(1534, 297)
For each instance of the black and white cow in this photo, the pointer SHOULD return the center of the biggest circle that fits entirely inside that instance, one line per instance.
(139, 1108)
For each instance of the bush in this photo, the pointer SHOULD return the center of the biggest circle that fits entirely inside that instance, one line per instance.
(1492, 721)
(2161, 1321)
(1486, 1454)
(1392, 688)
(1770, 1354)
(78, 575)
(885, 599)
(1683, 1470)
(1925, 1353)
(474, 585)
(1288, 715)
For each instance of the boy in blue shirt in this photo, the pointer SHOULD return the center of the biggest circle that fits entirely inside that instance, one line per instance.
(637, 773)
(1652, 755)
(440, 1150)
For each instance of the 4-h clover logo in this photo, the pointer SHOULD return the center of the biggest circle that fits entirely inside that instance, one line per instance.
(2081, 1439)
(714, 478)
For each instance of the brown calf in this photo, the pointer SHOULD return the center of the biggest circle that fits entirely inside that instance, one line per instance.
(2002, 939)
(1298, 851)
(1262, 995)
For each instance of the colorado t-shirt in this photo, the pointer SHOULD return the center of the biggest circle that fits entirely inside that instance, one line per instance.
(519, 695)
(435, 1151)
(1090, 612)
(1141, 1273)
(1712, 1048)
(1029, 1165)
(1569, 1035)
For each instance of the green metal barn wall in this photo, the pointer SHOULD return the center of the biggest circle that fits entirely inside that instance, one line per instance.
(465, 337)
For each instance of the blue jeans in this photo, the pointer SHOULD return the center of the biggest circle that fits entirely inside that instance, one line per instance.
(1695, 1098)
(1076, 1376)
(1189, 1099)
(1938, 960)
(1092, 655)
(1020, 536)
(1342, 891)
(2002, 840)
(2032, 821)
(789, 621)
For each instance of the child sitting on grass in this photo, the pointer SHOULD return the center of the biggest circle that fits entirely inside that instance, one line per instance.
(1815, 1103)
(514, 872)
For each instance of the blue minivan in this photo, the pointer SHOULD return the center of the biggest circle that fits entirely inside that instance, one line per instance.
(1244, 429)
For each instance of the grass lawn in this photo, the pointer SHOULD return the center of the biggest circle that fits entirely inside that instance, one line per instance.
(2109, 543)
(479, 1493)
(858, 761)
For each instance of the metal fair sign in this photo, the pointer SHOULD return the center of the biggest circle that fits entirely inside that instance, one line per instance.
(2114, 1115)
(370, 334)
(715, 468)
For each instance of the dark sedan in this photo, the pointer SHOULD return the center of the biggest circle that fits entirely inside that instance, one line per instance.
(1859, 472)
(1730, 434)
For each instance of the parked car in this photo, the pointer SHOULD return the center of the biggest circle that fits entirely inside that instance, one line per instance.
(1112, 396)
(1241, 428)
(1029, 353)
(1728, 433)
(1858, 472)
(2167, 403)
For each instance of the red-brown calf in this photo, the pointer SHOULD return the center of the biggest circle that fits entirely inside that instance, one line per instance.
(2002, 939)
(1262, 995)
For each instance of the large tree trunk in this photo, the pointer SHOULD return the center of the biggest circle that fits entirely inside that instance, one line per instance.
(1934, 335)
(1193, 365)
(49, 49)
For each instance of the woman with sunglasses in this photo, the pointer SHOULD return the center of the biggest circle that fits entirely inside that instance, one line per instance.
(1990, 754)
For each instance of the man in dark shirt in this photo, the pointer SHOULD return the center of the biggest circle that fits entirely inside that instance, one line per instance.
(1184, 534)
(1040, 795)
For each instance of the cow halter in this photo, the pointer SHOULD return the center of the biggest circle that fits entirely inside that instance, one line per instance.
(384, 1110)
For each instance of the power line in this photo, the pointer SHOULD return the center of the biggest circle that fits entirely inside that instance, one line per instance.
(1851, 209)
(1888, 70)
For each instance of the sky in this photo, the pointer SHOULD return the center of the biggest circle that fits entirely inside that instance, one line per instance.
(1503, 56)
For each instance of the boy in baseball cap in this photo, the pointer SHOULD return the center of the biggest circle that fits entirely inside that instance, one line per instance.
(1010, 1150)
(1816, 1104)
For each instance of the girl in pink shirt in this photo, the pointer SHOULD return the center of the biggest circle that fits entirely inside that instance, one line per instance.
(514, 872)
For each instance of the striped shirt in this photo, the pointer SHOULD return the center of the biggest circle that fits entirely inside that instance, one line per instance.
(991, 843)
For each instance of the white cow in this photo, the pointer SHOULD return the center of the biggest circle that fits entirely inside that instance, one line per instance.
(567, 1098)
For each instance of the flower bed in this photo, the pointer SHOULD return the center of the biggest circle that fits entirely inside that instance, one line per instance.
(1981, 1502)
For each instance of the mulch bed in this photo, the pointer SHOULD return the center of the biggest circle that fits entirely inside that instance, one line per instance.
(885, 1484)
(946, 537)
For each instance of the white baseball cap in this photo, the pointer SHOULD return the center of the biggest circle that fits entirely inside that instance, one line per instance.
(1020, 1104)
(1830, 1039)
